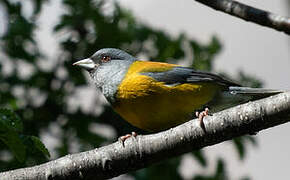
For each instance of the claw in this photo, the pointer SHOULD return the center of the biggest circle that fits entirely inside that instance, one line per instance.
(122, 139)
(201, 115)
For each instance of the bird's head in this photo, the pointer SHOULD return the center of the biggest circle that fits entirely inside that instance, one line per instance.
(105, 57)
(107, 68)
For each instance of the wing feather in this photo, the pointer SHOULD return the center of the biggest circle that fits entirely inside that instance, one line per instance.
(181, 75)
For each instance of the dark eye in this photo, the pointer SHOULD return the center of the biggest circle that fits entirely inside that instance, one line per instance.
(106, 58)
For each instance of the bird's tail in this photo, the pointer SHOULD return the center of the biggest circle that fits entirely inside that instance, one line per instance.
(254, 93)
(237, 95)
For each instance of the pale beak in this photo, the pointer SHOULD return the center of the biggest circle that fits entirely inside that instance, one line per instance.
(87, 64)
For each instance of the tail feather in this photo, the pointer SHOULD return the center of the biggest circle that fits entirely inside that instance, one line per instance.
(255, 93)
(237, 95)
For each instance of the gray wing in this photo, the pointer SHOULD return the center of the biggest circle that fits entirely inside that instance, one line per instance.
(180, 75)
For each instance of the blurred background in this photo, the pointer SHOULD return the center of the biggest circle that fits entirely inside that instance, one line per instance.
(40, 39)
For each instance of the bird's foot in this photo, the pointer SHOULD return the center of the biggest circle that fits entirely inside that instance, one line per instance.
(122, 139)
(201, 115)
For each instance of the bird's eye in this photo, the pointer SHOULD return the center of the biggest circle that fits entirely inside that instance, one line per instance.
(106, 58)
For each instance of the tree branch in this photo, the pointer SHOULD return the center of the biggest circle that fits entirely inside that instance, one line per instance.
(114, 159)
(251, 14)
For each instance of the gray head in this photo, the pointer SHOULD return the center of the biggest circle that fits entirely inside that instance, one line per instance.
(107, 68)
(103, 56)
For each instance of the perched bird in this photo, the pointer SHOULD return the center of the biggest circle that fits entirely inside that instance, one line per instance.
(154, 96)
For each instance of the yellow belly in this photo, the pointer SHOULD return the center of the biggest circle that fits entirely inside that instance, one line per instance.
(154, 106)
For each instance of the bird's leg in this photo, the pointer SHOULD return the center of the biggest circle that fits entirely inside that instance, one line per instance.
(201, 115)
(123, 138)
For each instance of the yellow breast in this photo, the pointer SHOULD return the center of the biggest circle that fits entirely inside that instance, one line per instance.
(154, 106)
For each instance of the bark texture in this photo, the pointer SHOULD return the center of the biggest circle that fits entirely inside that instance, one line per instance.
(248, 13)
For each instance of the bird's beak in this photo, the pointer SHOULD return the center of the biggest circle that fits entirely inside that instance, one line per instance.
(87, 64)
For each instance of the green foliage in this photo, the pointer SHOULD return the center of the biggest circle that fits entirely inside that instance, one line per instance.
(219, 174)
(204, 54)
(10, 121)
(240, 144)
(249, 81)
(35, 146)
(200, 157)
(163, 170)
(10, 126)
(20, 145)
(47, 100)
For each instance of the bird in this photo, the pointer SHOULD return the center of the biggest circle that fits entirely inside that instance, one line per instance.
(156, 96)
